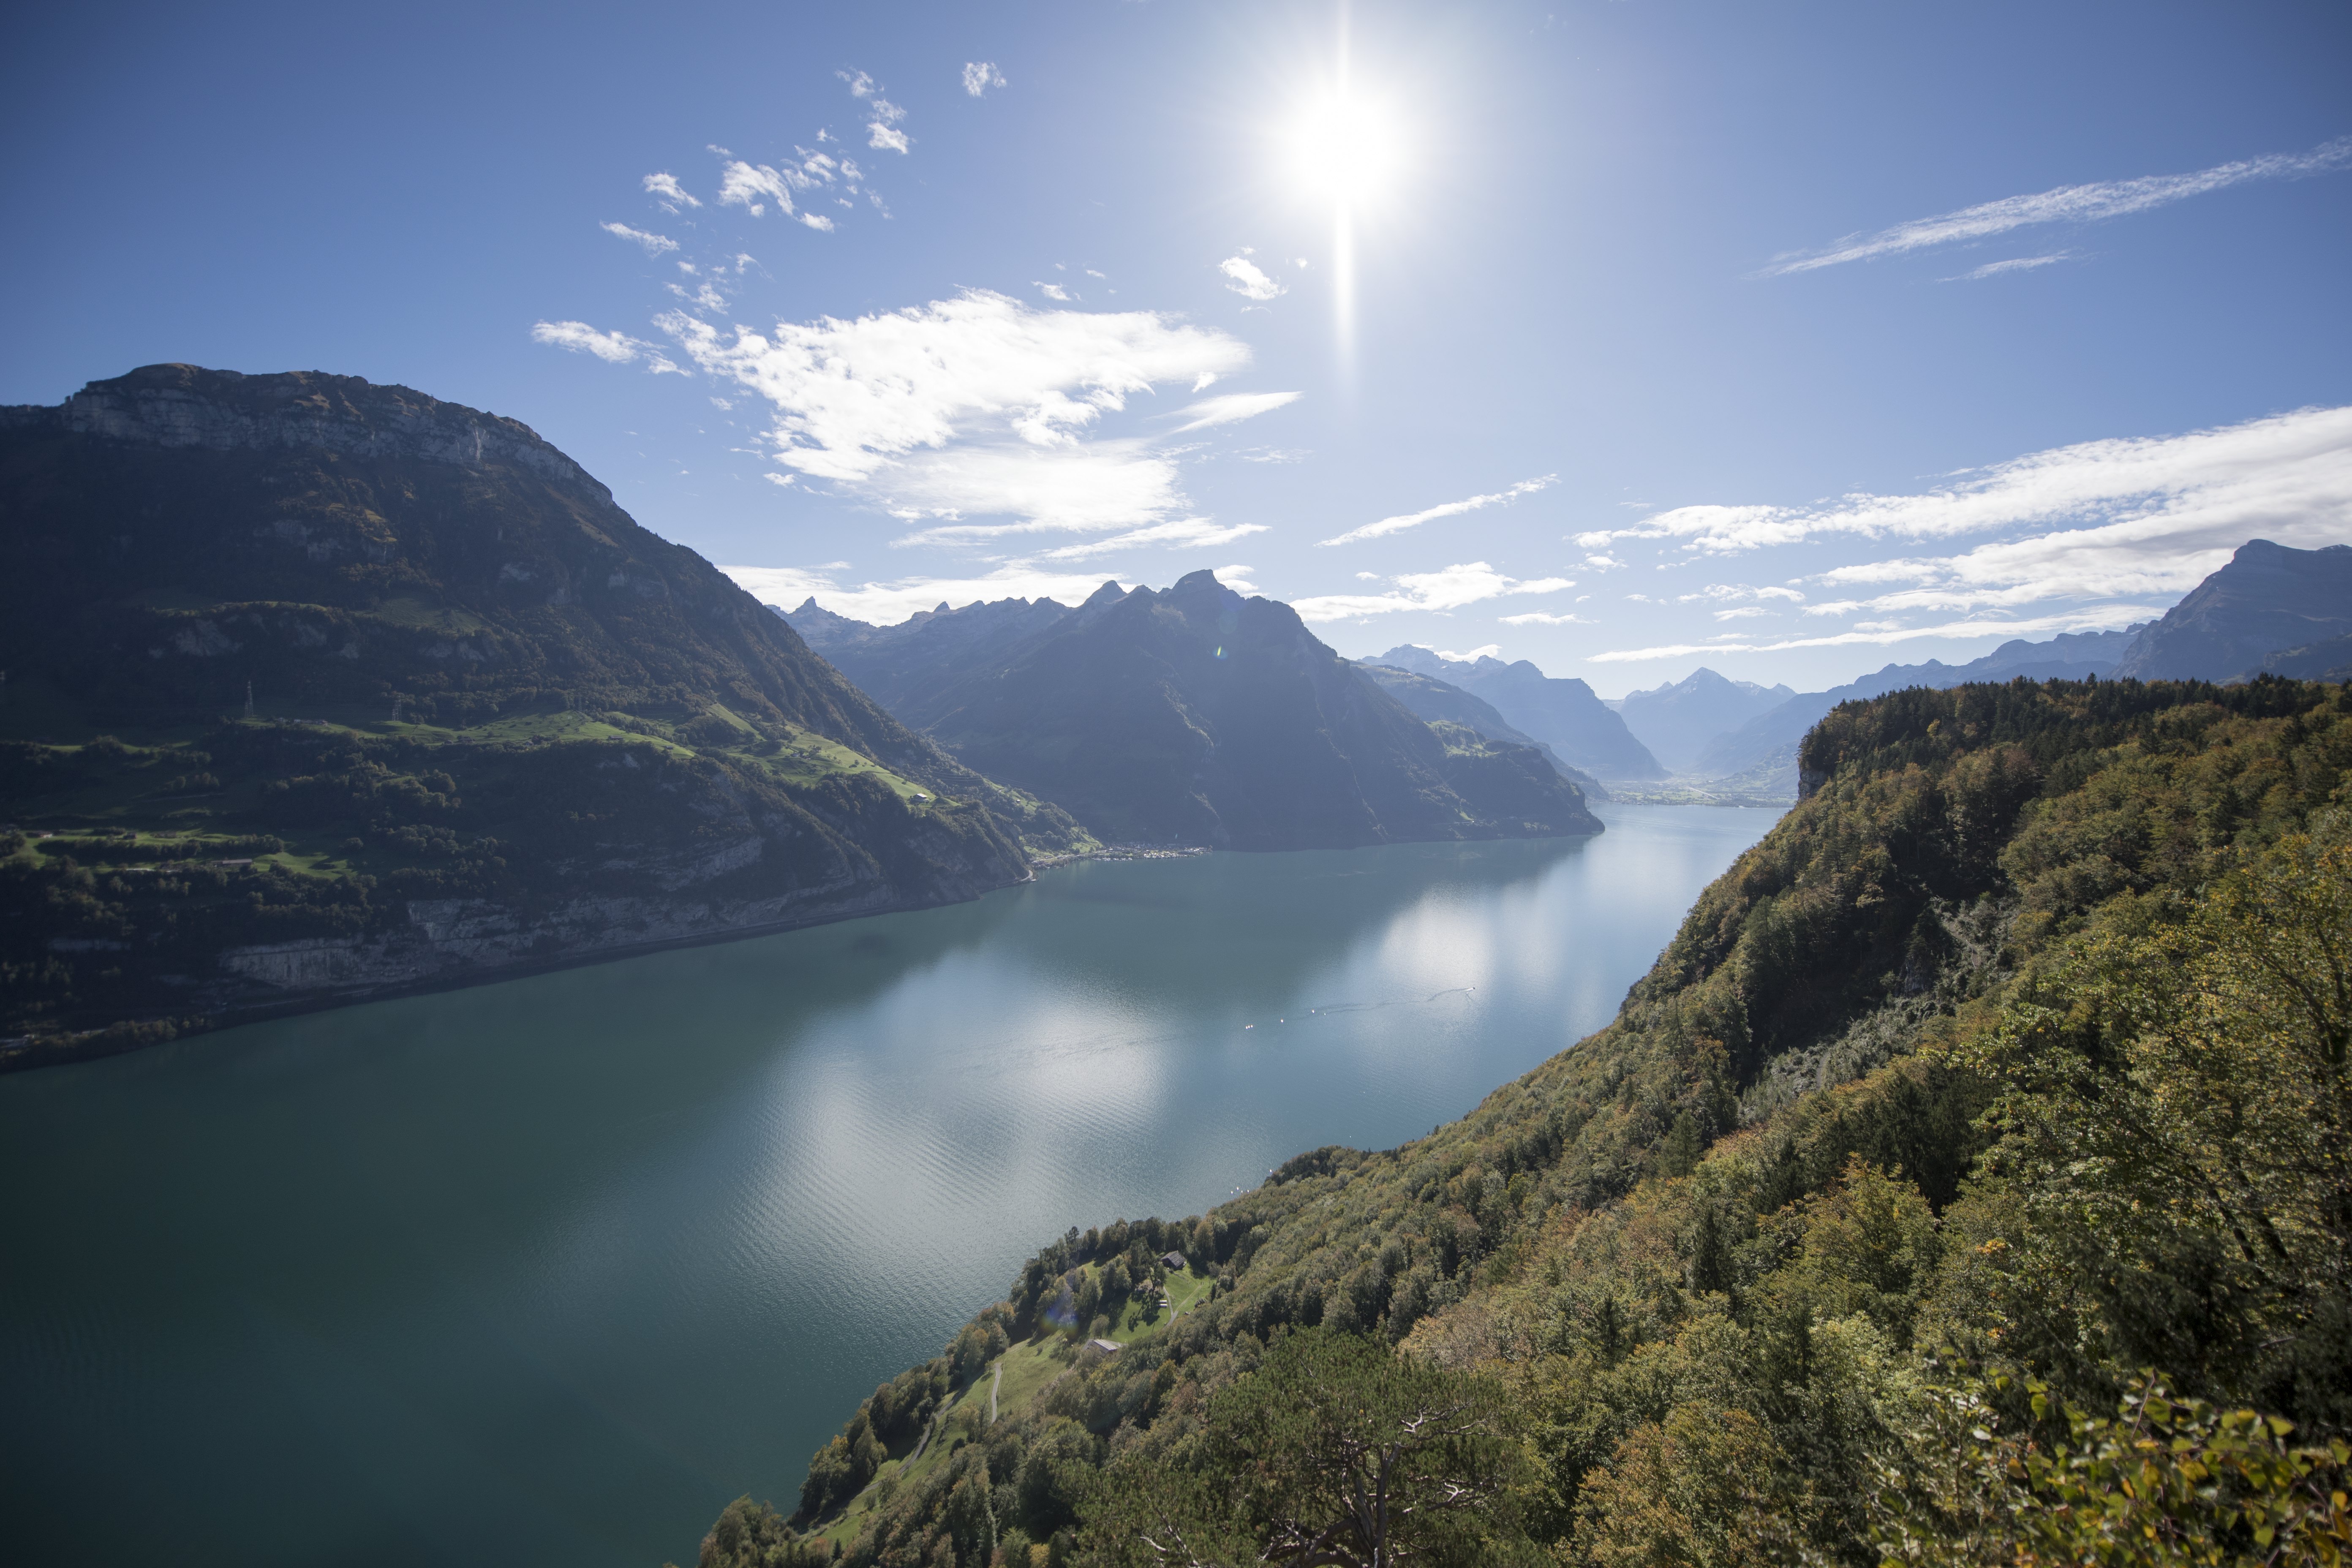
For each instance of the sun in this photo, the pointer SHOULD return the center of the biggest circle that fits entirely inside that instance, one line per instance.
(1344, 147)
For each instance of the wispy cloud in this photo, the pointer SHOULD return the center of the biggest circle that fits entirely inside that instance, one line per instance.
(1388, 525)
(655, 244)
(614, 348)
(978, 406)
(2017, 264)
(888, 603)
(1231, 408)
(1450, 588)
(1183, 533)
(672, 194)
(2068, 204)
(979, 75)
(1544, 619)
(1244, 277)
(1053, 291)
(2101, 520)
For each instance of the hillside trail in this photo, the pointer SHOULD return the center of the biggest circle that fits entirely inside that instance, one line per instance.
(993, 1387)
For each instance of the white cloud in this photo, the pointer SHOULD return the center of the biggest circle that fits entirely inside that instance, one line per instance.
(978, 405)
(886, 604)
(1450, 588)
(2069, 204)
(673, 195)
(884, 137)
(979, 75)
(744, 184)
(1243, 276)
(2020, 264)
(1183, 533)
(1232, 408)
(1544, 619)
(2133, 516)
(1747, 613)
(614, 348)
(2102, 618)
(655, 244)
(1053, 291)
(1388, 525)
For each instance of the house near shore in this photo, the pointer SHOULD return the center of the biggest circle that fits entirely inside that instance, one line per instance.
(1174, 1260)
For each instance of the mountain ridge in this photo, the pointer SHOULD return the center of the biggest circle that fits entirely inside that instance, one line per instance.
(1560, 710)
(322, 690)
(1195, 715)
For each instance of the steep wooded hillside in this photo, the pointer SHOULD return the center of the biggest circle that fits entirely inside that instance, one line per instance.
(2016, 1051)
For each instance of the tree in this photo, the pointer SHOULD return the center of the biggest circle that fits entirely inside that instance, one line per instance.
(1335, 1451)
(2165, 1483)
(2177, 1105)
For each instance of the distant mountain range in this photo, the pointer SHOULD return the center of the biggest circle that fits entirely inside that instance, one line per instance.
(2271, 610)
(1768, 740)
(319, 690)
(1564, 713)
(1677, 720)
(1193, 715)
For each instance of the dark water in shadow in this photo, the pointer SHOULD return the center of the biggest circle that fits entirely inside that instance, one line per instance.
(546, 1272)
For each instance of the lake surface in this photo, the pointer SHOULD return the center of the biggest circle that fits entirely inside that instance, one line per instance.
(548, 1271)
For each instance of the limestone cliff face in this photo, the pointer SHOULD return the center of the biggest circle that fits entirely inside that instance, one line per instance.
(494, 723)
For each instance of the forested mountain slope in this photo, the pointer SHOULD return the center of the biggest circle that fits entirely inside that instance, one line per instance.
(317, 688)
(2010, 1063)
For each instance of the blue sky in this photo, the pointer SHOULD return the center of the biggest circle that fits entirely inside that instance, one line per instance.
(1788, 339)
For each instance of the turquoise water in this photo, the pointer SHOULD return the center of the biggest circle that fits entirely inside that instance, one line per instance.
(546, 1272)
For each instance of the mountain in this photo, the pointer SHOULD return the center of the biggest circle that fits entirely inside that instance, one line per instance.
(1676, 720)
(894, 664)
(1564, 713)
(2029, 958)
(1768, 741)
(2266, 600)
(2329, 660)
(1196, 716)
(320, 690)
(1435, 703)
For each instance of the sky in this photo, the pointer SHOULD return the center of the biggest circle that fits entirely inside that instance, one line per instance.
(1628, 338)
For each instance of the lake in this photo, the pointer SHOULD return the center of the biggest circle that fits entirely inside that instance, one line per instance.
(548, 1271)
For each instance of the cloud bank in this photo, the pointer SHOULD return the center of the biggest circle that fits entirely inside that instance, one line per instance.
(2100, 520)
(979, 406)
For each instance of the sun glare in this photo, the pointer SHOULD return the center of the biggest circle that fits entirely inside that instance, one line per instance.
(1344, 148)
(1346, 151)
